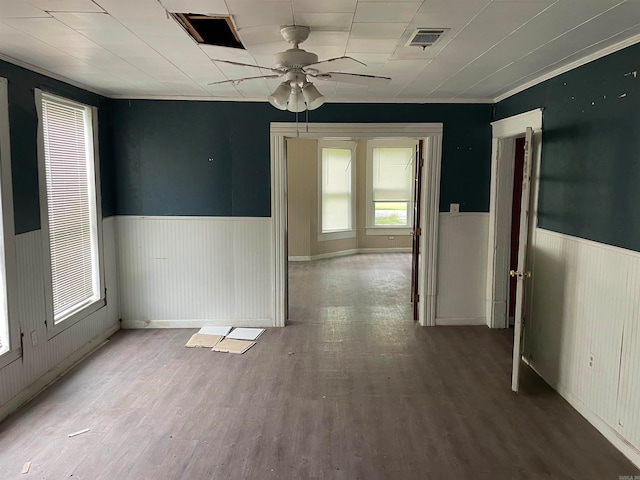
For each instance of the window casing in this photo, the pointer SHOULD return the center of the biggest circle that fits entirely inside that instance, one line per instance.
(70, 209)
(336, 189)
(390, 182)
(9, 328)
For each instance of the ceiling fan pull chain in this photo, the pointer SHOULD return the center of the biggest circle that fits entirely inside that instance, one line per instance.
(306, 126)
(297, 129)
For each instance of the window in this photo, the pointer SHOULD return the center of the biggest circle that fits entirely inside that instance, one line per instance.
(390, 170)
(70, 213)
(336, 188)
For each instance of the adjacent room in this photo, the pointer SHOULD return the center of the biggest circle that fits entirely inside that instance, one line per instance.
(428, 206)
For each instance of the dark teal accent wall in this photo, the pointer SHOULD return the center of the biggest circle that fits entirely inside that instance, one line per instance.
(23, 123)
(590, 169)
(162, 151)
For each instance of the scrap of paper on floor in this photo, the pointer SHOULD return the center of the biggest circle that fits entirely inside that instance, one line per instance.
(246, 333)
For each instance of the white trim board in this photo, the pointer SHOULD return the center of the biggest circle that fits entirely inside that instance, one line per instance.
(591, 243)
(344, 253)
(430, 132)
(196, 323)
(56, 372)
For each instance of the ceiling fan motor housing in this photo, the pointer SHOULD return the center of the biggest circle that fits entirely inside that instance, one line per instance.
(295, 58)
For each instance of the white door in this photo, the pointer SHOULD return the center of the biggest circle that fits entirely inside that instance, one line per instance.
(521, 274)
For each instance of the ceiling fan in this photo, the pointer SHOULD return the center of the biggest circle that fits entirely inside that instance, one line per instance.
(299, 67)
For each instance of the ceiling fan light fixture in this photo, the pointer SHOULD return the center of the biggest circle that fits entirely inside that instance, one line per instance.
(312, 96)
(280, 96)
(296, 101)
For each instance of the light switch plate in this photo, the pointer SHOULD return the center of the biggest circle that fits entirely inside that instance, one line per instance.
(454, 208)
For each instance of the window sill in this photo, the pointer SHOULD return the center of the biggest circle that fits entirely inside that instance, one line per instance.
(384, 231)
(75, 317)
(9, 357)
(323, 237)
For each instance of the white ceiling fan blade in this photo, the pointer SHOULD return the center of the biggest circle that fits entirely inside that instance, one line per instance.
(240, 64)
(238, 80)
(333, 64)
(356, 78)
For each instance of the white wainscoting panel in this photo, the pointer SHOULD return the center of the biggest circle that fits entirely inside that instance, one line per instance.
(584, 336)
(41, 364)
(462, 269)
(194, 271)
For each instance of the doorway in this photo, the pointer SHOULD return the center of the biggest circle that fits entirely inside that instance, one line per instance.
(430, 132)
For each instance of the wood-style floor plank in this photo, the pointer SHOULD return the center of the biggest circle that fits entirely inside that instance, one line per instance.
(351, 389)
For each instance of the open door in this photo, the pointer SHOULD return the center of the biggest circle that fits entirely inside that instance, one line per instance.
(417, 230)
(521, 274)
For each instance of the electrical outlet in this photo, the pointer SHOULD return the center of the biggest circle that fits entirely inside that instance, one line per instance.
(592, 359)
(34, 338)
(392, 238)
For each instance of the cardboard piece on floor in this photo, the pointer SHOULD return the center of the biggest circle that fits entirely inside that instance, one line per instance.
(203, 340)
(215, 330)
(231, 345)
(26, 467)
(246, 333)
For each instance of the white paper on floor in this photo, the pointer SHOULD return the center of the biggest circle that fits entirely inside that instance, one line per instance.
(246, 333)
(215, 330)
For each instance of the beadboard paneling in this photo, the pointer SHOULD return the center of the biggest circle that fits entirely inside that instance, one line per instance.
(20, 379)
(189, 271)
(462, 269)
(586, 302)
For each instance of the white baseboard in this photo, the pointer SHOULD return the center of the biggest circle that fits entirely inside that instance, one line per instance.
(459, 322)
(196, 323)
(628, 450)
(56, 372)
(352, 251)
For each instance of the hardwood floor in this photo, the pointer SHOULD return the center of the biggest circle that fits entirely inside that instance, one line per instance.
(351, 389)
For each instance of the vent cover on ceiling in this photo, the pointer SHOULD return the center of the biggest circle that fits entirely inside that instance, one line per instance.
(426, 37)
(210, 30)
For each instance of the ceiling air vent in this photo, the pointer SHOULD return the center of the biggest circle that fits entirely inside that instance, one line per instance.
(210, 30)
(426, 37)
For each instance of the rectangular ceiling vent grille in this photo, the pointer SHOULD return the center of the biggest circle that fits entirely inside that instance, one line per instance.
(426, 37)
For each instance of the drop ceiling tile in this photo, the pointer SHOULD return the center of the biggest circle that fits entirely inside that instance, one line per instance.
(67, 5)
(332, 21)
(372, 58)
(39, 27)
(324, 6)
(264, 49)
(392, 12)
(415, 53)
(325, 53)
(252, 14)
(511, 12)
(88, 21)
(377, 30)
(326, 39)
(14, 9)
(371, 46)
(261, 34)
(462, 7)
(203, 7)
(253, 89)
(226, 53)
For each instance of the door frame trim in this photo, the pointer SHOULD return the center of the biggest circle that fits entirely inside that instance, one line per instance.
(430, 132)
(504, 133)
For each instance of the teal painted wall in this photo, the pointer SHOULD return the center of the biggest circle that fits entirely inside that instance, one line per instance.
(590, 169)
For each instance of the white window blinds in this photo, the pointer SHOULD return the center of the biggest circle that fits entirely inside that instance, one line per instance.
(336, 189)
(71, 204)
(392, 174)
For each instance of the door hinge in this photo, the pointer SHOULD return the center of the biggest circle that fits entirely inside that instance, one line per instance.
(417, 297)
(418, 232)
(516, 273)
